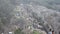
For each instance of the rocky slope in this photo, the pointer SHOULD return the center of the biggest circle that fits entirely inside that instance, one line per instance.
(27, 14)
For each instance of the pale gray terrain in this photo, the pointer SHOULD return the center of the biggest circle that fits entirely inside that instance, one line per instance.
(38, 14)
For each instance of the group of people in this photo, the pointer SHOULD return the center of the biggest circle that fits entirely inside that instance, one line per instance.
(51, 32)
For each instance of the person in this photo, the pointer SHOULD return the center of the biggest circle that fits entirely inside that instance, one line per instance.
(10, 32)
(50, 32)
(59, 32)
(53, 32)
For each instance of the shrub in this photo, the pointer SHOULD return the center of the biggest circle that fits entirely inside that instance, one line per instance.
(18, 31)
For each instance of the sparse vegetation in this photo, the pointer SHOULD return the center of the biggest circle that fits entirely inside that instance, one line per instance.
(21, 13)
(35, 32)
(18, 31)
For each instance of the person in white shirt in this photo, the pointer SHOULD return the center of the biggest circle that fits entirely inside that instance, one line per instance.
(10, 32)
(50, 32)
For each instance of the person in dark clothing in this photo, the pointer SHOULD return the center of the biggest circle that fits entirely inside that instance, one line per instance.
(59, 32)
(53, 32)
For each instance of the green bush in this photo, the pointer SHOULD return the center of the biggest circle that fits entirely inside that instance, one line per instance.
(35, 32)
(18, 31)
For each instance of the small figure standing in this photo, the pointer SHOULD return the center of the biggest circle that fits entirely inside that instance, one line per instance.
(50, 32)
(53, 32)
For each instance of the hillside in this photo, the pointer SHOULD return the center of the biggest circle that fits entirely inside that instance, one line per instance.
(29, 15)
